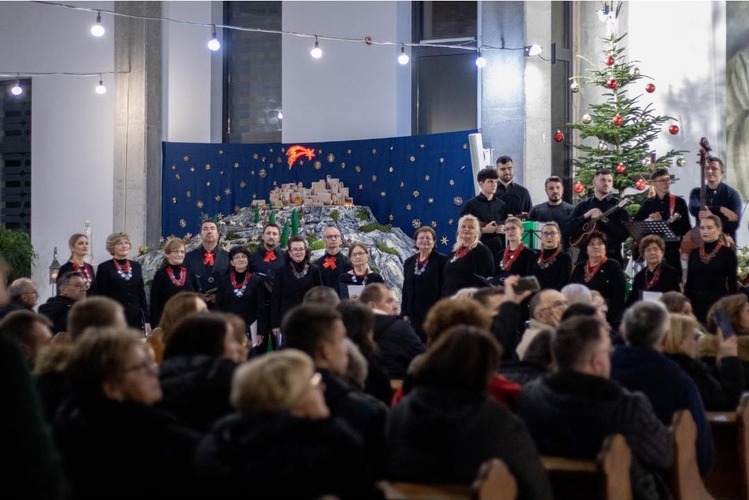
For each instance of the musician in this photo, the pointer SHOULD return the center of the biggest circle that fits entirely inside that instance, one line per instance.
(658, 275)
(720, 198)
(592, 209)
(666, 206)
(516, 197)
(489, 210)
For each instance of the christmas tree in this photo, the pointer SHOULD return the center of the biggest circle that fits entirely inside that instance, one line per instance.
(621, 126)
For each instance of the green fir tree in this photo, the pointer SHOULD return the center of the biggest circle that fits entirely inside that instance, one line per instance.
(256, 214)
(285, 234)
(294, 222)
(272, 216)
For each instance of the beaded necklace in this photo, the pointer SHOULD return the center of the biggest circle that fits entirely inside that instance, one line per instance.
(123, 270)
(707, 257)
(182, 276)
(591, 271)
(510, 256)
(239, 288)
(544, 262)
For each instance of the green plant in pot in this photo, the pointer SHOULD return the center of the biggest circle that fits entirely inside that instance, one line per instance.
(16, 249)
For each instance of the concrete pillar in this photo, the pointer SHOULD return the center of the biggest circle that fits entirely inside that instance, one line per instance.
(137, 145)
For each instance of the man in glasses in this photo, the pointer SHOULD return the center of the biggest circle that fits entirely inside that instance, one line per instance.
(71, 287)
(546, 309)
(333, 263)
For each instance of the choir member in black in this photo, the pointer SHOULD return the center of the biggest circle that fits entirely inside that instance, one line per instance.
(665, 206)
(720, 199)
(599, 272)
(592, 208)
(360, 275)
(208, 262)
(263, 265)
(469, 258)
(516, 257)
(554, 209)
(489, 210)
(516, 197)
(238, 290)
(333, 263)
(711, 268)
(551, 265)
(292, 281)
(121, 280)
(172, 278)
(423, 274)
(658, 275)
(78, 244)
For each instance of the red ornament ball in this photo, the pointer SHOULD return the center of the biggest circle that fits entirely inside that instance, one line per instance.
(673, 129)
(621, 168)
(559, 136)
(610, 61)
(617, 120)
(640, 185)
(578, 187)
(649, 88)
(612, 83)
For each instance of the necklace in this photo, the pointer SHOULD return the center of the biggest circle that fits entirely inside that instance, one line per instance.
(544, 262)
(239, 287)
(420, 266)
(650, 283)
(300, 274)
(707, 257)
(182, 276)
(460, 253)
(84, 271)
(591, 271)
(510, 256)
(124, 270)
(359, 277)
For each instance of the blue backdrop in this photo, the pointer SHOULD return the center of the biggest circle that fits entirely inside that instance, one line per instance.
(406, 181)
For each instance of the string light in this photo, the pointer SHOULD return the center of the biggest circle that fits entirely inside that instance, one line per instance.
(100, 89)
(214, 44)
(97, 29)
(16, 89)
(480, 60)
(317, 51)
(533, 50)
(403, 58)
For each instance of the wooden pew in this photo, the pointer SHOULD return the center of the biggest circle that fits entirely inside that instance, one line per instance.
(729, 478)
(686, 483)
(606, 477)
(493, 482)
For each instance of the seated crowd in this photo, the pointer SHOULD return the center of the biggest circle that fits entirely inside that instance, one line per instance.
(346, 391)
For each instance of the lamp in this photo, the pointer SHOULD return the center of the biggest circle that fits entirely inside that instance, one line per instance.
(533, 50)
(54, 268)
(317, 51)
(213, 43)
(97, 29)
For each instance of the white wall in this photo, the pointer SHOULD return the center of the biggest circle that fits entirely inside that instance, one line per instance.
(352, 92)
(72, 127)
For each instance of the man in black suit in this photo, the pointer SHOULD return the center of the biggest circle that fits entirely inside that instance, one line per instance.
(208, 262)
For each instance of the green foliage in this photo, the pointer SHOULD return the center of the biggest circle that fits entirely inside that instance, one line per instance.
(16, 249)
(231, 235)
(285, 234)
(253, 247)
(272, 216)
(362, 214)
(294, 222)
(256, 214)
(386, 249)
(368, 228)
(317, 245)
(335, 214)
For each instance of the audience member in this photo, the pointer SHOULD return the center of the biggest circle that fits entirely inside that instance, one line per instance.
(677, 302)
(536, 363)
(94, 311)
(30, 330)
(737, 309)
(321, 295)
(546, 309)
(23, 297)
(576, 292)
(506, 308)
(176, 309)
(71, 287)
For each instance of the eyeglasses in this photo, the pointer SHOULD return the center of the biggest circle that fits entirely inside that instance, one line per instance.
(358, 254)
(332, 236)
(549, 233)
(144, 365)
(82, 285)
(665, 180)
(556, 305)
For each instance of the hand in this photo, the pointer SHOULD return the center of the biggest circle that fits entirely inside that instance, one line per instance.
(510, 283)
(210, 298)
(258, 341)
(490, 228)
(727, 347)
(655, 216)
(500, 229)
(147, 329)
(729, 214)
(593, 213)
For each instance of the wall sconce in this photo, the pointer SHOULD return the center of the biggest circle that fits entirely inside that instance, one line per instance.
(54, 268)
(533, 50)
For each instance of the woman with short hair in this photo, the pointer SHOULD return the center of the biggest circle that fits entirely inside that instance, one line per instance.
(551, 265)
(292, 281)
(171, 278)
(360, 275)
(657, 276)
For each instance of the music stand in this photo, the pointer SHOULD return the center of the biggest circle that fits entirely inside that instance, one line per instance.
(640, 229)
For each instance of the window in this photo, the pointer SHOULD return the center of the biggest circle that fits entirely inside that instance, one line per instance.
(15, 157)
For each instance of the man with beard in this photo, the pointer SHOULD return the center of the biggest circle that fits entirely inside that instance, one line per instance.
(333, 263)
(515, 196)
(208, 262)
(554, 209)
(263, 264)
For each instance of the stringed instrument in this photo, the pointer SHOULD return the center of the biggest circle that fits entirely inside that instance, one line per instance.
(593, 224)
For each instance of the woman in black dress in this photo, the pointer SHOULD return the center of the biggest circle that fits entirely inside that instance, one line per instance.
(657, 276)
(516, 258)
(173, 277)
(360, 275)
(237, 291)
(292, 281)
(551, 266)
(423, 274)
(78, 244)
(600, 273)
(121, 280)
(711, 268)
(469, 258)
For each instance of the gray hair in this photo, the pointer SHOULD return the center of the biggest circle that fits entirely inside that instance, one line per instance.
(645, 323)
(576, 292)
(19, 287)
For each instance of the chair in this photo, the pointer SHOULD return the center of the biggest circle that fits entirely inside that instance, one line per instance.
(729, 477)
(686, 483)
(607, 477)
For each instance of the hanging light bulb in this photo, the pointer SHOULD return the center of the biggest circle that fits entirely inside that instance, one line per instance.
(317, 51)
(280, 115)
(533, 50)
(480, 60)
(16, 89)
(100, 89)
(213, 43)
(97, 29)
(403, 58)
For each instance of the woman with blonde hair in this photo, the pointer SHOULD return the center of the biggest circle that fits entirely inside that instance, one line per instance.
(176, 309)
(736, 308)
(78, 244)
(469, 260)
(721, 386)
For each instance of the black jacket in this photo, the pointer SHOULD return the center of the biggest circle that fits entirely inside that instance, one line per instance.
(288, 290)
(720, 388)
(421, 291)
(615, 230)
(668, 281)
(487, 211)
(331, 271)
(208, 276)
(397, 344)
(128, 292)
(162, 288)
(56, 309)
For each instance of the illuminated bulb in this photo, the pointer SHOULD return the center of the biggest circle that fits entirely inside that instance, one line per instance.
(534, 50)
(97, 29)
(317, 51)
(100, 89)
(280, 115)
(214, 44)
(403, 58)
(480, 60)
(16, 89)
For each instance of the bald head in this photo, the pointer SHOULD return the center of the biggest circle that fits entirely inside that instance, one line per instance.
(547, 307)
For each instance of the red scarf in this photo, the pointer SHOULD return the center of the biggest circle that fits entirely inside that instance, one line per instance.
(270, 256)
(329, 263)
(208, 258)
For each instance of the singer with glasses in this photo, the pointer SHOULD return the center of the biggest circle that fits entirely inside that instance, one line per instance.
(551, 265)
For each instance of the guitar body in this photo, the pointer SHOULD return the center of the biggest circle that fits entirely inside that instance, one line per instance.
(594, 224)
(692, 239)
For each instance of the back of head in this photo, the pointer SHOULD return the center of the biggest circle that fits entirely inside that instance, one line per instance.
(573, 341)
(19, 325)
(579, 309)
(449, 312)
(681, 326)
(359, 321)
(271, 383)
(733, 305)
(462, 359)
(539, 350)
(200, 334)
(94, 312)
(674, 301)
(484, 295)
(322, 295)
(575, 292)
(20, 286)
(177, 308)
(305, 327)
(372, 293)
(644, 324)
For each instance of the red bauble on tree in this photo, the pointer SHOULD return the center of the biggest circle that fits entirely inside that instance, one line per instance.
(612, 83)
(649, 88)
(621, 168)
(640, 185)
(578, 187)
(673, 129)
(559, 136)
(617, 120)
(610, 61)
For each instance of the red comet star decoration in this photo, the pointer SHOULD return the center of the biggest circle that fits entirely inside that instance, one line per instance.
(295, 152)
